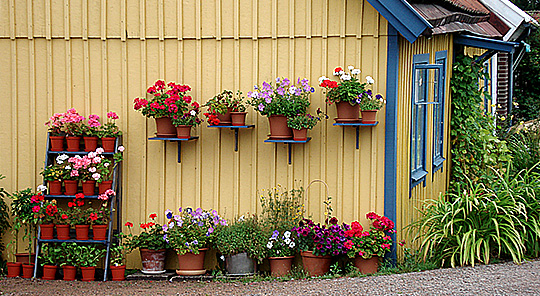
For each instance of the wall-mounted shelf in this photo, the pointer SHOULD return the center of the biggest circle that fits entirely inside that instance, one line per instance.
(178, 141)
(289, 142)
(235, 128)
(357, 125)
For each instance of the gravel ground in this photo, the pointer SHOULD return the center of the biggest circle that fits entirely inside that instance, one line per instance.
(495, 279)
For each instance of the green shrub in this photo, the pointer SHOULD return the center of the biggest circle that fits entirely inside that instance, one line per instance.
(524, 145)
(243, 235)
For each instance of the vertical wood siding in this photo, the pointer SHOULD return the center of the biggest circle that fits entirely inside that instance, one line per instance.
(97, 55)
(408, 201)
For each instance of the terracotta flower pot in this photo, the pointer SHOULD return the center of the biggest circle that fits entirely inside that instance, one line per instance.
(81, 232)
(55, 187)
(69, 272)
(165, 128)
(347, 113)
(23, 257)
(367, 266)
(62, 232)
(89, 187)
(300, 135)
(192, 264)
(153, 261)
(57, 143)
(108, 143)
(280, 266)
(240, 264)
(118, 272)
(278, 128)
(14, 269)
(315, 265)
(27, 270)
(73, 143)
(90, 143)
(88, 273)
(104, 186)
(71, 187)
(49, 272)
(100, 231)
(238, 118)
(369, 116)
(183, 131)
(47, 231)
(225, 119)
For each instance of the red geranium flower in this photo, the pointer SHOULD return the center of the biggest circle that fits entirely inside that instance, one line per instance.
(79, 196)
(93, 216)
(129, 224)
(144, 225)
(64, 216)
(153, 216)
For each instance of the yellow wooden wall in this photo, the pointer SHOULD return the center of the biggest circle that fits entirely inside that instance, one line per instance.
(97, 56)
(436, 183)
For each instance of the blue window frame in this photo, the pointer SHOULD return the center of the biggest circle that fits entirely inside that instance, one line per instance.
(438, 111)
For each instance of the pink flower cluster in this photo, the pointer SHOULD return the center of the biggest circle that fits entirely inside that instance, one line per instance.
(72, 116)
(107, 194)
(112, 115)
(380, 223)
(86, 162)
(93, 120)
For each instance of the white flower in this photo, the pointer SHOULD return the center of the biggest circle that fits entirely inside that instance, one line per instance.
(355, 71)
(322, 78)
(269, 245)
(287, 241)
(61, 158)
(370, 80)
(171, 225)
(345, 77)
(106, 164)
(41, 188)
(241, 218)
(67, 167)
(341, 72)
(254, 95)
(292, 89)
(78, 157)
(222, 258)
(287, 234)
(100, 150)
(291, 245)
(350, 68)
(92, 169)
(92, 155)
(96, 176)
(192, 112)
(121, 148)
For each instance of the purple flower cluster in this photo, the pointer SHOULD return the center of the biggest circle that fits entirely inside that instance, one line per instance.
(321, 239)
(284, 97)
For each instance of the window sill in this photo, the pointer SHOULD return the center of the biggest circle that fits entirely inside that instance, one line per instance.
(438, 164)
(418, 177)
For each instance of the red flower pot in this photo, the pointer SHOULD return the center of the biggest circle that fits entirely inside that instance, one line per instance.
(90, 143)
(369, 116)
(347, 113)
(23, 257)
(118, 273)
(300, 135)
(81, 232)
(315, 265)
(153, 261)
(103, 186)
(108, 144)
(28, 270)
(183, 131)
(225, 119)
(62, 232)
(14, 269)
(55, 187)
(165, 128)
(192, 264)
(69, 272)
(367, 266)
(238, 118)
(49, 272)
(47, 231)
(100, 232)
(71, 187)
(89, 187)
(73, 143)
(280, 266)
(57, 143)
(88, 273)
(278, 127)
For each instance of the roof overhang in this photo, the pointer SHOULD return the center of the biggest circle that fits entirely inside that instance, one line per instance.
(486, 43)
(515, 18)
(403, 17)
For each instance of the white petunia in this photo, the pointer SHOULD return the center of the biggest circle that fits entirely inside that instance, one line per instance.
(287, 241)
(41, 188)
(341, 72)
(121, 148)
(287, 234)
(292, 89)
(241, 218)
(67, 167)
(291, 245)
(350, 68)
(269, 245)
(345, 77)
(322, 78)
(106, 164)
(370, 80)
(193, 112)
(355, 71)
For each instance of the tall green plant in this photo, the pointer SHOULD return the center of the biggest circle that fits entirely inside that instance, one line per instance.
(524, 145)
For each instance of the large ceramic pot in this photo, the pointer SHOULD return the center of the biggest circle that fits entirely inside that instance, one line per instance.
(165, 128)
(69, 272)
(225, 119)
(240, 264)
(280, 266)
(300, 135)
(238, 118)
(57, 143)
(278, 128)
(183, 131)
(73, 143)
(90, 143)
(100, 231)
(369, 116)
(108, 144)
(81, 232)
(88, 273)
(118, 272)
(89, 187)
(347, 112)
(27, 270)
(55, 187)
(71, 187)
(367, 266)
(315, 265)
(47, 231)
(192, 264)
(104, 186)
(62, 232)
(153, 261)
(49, 272)
(14, 269)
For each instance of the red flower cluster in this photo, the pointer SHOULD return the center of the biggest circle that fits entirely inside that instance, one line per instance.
(51, 210)
(77, 202)
(37, 198)
(212, 118)
(380, 223)
(93, 216)
(140, 103)
(147, 225)
(153, 216)
(129, 224)
(327, 83)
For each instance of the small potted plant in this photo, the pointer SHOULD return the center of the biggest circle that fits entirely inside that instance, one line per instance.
(99, 218)
(151, 244)
(48, 213)
(67, 260)
(50, 257)
(281, 248)
(301, 123)
(91, 132)
(118, 259)
(54, 174)
(186, 117)
(191, 233)
(238, 110)
(368, 247)
(74, 129)
(63, 225)
(109, 132)
(242, 243)
(87, 257)
(370, 104)
(78, 217)
(55, 125)
(226, 109)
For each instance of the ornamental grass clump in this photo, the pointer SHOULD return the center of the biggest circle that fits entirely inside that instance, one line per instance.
(322, 240)
(372, 242)
(191, 230)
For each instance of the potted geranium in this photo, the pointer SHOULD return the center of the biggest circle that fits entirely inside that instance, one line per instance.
(162, 105)
(104, 167)
(283, 100)
(50, 257)
(67, 260)
(63, 225)
(186, 117)
(301, 123)
(368, 247)
(191, 233)
(109, 132)
(55, 125)
(53, 174)
(151, 244)
(74, 129)
(99, 218)
(87, 258)
(242, 243)
(91, 132)
(226, 109)
(118, 259)
(319, 243)
(48, 214)
(78, 217)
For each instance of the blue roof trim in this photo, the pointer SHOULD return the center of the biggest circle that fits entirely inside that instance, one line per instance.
(403, 17)
(390, 135)
(486, 43)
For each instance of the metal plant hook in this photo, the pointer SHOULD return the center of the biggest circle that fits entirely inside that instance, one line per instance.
(327, 202)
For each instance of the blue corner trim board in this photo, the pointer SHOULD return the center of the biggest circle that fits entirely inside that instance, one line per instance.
(390, 136)
(486, 43)
(402, 16)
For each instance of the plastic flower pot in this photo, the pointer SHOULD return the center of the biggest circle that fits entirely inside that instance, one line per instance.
(90, 143)
(118, 272)
(108, 144)
(47, 231)
(192, 264)
(57, 143)
(238, 118)
(23, 257)
(62, 232)
(71, 186)
(100, 232)
(369, 116)
(81, 232)
(69, 272)
(104, 186)
(280, 266)
(183, 131)
(347, 113)
(165, 128)
(88, 273)
(278, 128)
(153, 261)
(367, 266)
(49, 272)
(73, 143)
(240, 264)
(27, 270)
(300, 135)
(55, 187)
(315, 265)
(89, 187)
(14, 269)
(225, 119)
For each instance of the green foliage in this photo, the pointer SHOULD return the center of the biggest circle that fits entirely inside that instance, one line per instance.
(524, 145)
(4, 216)
(306, 120)
(118, 251)
(474, 147)
(50, 254)
(226, 99)
(244, 235)
(88, 255)
(53, 172)
(282, 209)
(151, 237)
(68, 254)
